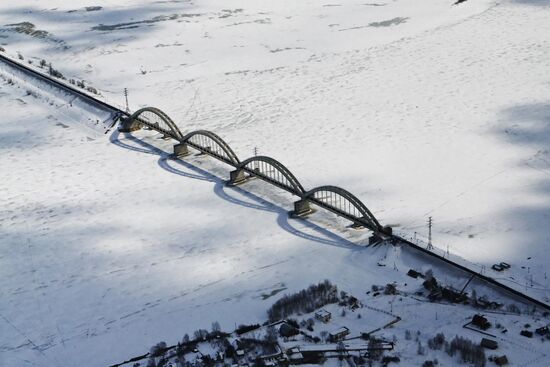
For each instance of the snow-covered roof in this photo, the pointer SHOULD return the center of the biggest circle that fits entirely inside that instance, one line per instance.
(322, 313)
(342, 330)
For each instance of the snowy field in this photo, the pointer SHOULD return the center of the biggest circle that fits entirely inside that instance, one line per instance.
(107, 246)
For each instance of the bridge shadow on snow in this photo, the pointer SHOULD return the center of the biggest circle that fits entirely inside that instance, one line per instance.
(532, 2)
(325, 236)
(528, 126)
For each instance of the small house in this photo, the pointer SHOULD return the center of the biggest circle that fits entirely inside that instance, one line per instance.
(339, 334)
(527, 333)
(489, 344)
(295, 356)
(414, 274)
(481, 322)
(354, 303)
(323, 315)
(501, 361)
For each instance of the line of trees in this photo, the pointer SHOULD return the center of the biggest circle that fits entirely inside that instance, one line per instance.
(469, 351)
(437, 342)
(304, 301)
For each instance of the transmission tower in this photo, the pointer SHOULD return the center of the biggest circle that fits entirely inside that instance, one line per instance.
(126, 97)
(430, 247)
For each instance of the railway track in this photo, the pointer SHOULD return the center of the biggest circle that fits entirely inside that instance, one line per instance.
(474, 273)
(61, 85)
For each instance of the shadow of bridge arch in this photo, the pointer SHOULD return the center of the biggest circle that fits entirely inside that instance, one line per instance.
(324, 236)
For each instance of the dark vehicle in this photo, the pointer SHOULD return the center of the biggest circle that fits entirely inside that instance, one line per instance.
(497, 267)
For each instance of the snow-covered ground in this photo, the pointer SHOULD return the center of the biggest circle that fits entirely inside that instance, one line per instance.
(107, 246)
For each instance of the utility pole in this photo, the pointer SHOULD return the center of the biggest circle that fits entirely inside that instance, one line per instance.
(430, 247)
(126, 97)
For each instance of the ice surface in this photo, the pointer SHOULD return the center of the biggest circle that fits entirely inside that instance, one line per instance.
(107, 246)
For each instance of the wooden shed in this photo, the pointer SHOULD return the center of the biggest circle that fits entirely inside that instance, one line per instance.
(489, 344)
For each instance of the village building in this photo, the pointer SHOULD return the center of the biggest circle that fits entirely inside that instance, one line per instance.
(338, 334)
(273, 358)
(481, 322)
(527, 333)
(414, 274)
(295, 356)
(354, 303)
(501, 361)
(489, 344)
(323, 315)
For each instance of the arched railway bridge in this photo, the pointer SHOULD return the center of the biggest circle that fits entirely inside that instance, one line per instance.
(335, 199)
(331, 198)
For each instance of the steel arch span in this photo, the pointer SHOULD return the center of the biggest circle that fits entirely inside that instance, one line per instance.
(343, 203)
(270, 170)
(210, 143)
(157, 120)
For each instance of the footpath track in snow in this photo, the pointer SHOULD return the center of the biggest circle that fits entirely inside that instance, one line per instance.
(285, 180)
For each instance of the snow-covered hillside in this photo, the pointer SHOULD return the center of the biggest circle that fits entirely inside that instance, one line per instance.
(107, 246)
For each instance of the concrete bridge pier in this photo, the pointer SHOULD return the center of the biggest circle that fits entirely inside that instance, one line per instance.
(387, 230)
(385, 233)
(128, 125)
(181, 150)
(237, 177)
(301, 208)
